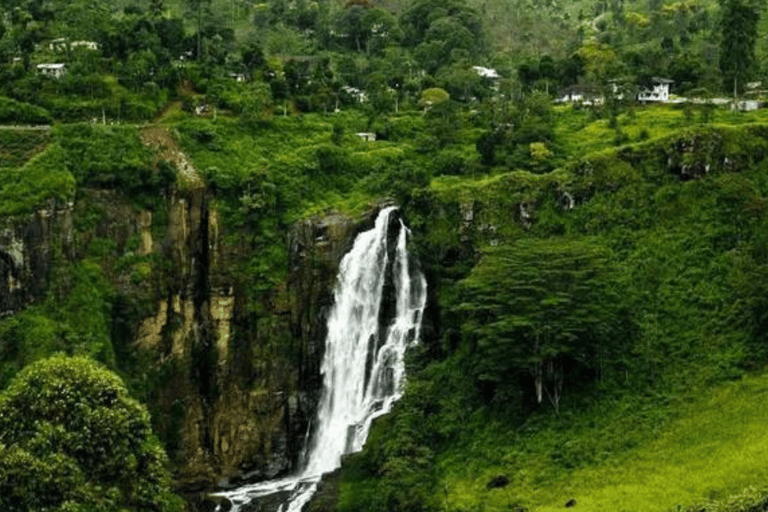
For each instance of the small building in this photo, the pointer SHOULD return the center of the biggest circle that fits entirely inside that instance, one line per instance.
(580, 94)
(745, 105)
(486, 72)
(658, 92)
(367, 136)
(58, 45)
(88, 45)
(237, 77)
(53, 70)
(355, 94)
(61, 44)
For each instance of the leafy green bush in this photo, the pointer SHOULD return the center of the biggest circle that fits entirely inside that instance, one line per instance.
(107, 156)
(43, 177)
(71, 438)
(74, 318)
(18, 146)
(17, 112)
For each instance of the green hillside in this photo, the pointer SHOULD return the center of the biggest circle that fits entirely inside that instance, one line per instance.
(174, 206)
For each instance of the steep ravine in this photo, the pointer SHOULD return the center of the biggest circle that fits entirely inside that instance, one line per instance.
(235, 401)
(231, 390)
(230, 373)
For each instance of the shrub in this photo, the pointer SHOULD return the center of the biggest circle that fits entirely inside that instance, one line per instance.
(16, 112)
(71, 438)
(106, 156)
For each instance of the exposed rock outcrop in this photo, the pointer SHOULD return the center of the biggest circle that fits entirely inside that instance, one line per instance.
(28, 245)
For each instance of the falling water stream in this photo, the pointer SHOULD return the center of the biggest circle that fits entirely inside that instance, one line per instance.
(363, 368)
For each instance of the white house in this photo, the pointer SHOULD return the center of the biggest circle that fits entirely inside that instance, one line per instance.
(367, 136)
(486, 72)
(52, 70)
(659, 92)
(581, 94)
(355, 93)
(88, 45)
(745, 105)
(60, 45)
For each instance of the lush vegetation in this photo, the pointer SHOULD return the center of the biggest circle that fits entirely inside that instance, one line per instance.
(568, 346)
(125, 60)
(74, 440)
(597, 272)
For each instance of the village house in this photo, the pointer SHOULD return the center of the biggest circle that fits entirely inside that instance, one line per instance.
(487, 72)
(88, 45)
(60, 45)
(581, 94)
(745, 105)
(367, 136)
(53, 70)
(489, 75)
(658, 93)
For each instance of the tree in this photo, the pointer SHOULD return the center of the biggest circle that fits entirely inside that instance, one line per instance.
(540, 310)
(738, 29)
(528, 120)
(441, 32)
(201, 10)
(72, 439)
(600, 61)
(253, 59)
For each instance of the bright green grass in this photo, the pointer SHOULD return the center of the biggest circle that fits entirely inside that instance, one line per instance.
(712, 449)
(18, 146)
(43, 177)
(579, 134)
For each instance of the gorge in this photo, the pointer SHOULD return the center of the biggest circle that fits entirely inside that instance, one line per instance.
(214, 301)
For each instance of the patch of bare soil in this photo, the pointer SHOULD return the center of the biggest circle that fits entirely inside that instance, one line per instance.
(167, 147)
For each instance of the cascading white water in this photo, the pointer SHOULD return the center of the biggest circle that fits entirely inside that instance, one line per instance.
(363, 368)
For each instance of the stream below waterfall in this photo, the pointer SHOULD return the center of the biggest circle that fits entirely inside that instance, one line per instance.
(363, 366)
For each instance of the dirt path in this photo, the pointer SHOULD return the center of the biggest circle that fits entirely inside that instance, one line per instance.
(170, 108)
(167, 147)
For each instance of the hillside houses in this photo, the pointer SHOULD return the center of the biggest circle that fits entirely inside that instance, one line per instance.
(53, 70)
(581, 94)
(657, 92)
(63, 44)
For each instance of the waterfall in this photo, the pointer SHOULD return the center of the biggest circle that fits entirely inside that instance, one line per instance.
(363, 367)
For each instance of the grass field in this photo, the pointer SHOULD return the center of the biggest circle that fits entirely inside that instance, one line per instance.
(580, 133)
(710, 455)
(18, 146)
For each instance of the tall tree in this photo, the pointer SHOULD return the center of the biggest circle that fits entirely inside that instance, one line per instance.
(738, 29)
(537, 311)
(199, 9)
(72, 438)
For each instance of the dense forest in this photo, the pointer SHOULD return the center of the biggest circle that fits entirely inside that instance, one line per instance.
(179, 180)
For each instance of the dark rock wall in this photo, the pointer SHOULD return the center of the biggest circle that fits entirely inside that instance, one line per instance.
(28, 245)
(232, 392)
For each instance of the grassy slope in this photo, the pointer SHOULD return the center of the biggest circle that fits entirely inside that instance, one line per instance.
(713, 450)
(580, 134)
(26, 187)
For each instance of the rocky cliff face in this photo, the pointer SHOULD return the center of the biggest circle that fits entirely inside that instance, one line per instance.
(28, 245)
(244, 385)
(232, 388)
